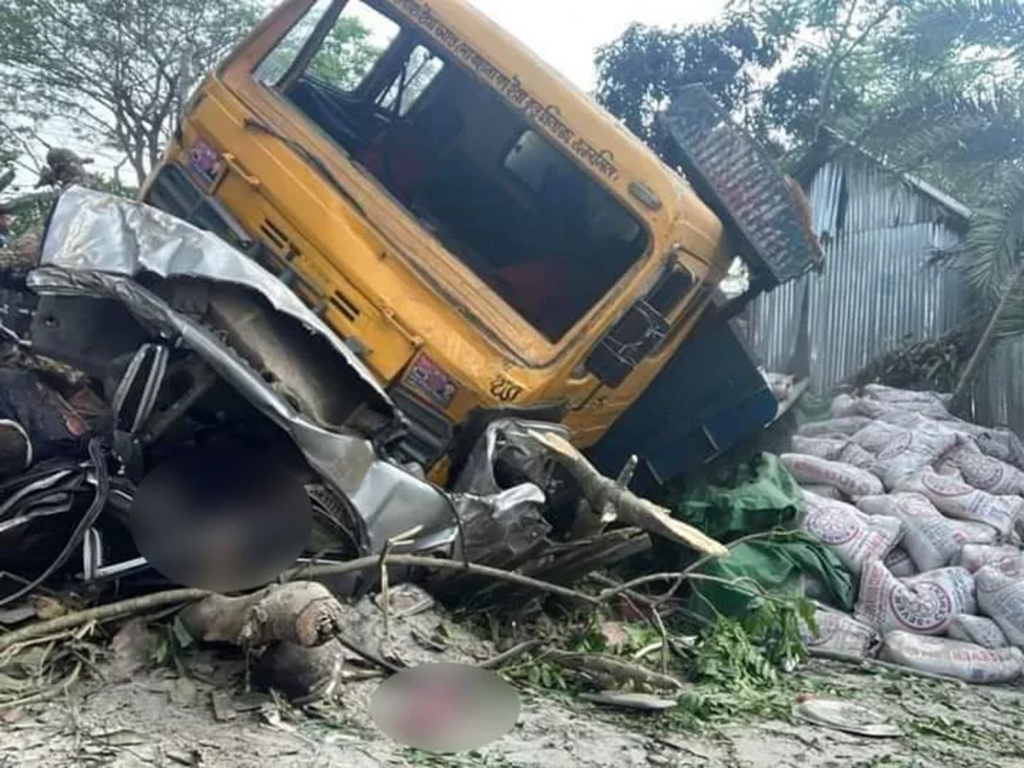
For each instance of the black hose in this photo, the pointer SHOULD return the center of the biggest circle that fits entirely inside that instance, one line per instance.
(99, 502)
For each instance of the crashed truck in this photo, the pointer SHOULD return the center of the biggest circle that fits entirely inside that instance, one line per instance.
(396, 255)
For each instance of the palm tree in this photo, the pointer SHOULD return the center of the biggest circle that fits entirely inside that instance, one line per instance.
(963, 126)
(992, 258)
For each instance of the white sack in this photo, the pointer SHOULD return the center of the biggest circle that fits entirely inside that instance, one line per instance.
(825, 491)
(964, 661)
(822, 447)
(961, 501)
(851, 481)
(924, 604)
(978, 630)
(876, 435)
(928, 537)
(899, 563)
(1001, 598)
(974, 557)
(986, 473)
(838, 636)
(846, 426)
(856, 456)
(852, 535)
(968, 532)
(910, 452)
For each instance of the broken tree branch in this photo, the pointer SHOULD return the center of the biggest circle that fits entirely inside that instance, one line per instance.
(743, 583)
(700, 562)
(368, 655)
(415, 561)
(101, 613)
(622, 671)
(512, 653)
(301, 612)
(603, 492)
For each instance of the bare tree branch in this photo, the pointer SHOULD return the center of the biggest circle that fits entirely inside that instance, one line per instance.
(113, 70)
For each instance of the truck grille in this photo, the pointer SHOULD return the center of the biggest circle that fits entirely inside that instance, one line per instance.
(430, 432)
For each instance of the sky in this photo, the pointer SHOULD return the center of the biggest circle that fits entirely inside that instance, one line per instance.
(565, 33)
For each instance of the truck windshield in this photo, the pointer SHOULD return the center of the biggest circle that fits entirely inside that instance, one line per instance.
(531, 223)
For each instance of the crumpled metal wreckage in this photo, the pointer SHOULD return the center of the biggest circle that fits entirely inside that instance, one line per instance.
(163, 313)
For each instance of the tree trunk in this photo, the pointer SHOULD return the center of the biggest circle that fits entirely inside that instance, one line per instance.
(987, 339)
(300, 612)
(6, 179)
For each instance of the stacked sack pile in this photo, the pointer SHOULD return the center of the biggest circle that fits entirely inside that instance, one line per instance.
(927, 510)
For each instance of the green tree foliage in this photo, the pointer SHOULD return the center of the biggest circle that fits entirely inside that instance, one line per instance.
(114, 71)
(346, 55)
(343, 59)
(914, 81)
(640, 71)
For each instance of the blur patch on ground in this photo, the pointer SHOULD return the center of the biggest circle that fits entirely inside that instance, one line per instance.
(188, 716)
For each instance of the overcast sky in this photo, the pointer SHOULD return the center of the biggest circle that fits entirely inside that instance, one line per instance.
(566, 32)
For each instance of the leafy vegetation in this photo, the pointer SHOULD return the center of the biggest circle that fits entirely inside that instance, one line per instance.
(933, 80)
(117, 74)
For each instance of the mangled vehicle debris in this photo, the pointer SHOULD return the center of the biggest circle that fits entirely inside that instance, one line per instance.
(257, 419)
(177, 325)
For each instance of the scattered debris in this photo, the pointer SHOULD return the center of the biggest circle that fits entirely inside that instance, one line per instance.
(642, 701)
(846, 717)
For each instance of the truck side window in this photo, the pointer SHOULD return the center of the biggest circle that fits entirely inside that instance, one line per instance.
(349, 52)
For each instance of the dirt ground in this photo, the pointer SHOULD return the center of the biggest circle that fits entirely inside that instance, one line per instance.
(191, 712)
(157, 718)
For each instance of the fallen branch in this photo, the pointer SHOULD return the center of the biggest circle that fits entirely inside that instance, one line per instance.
(368, 655)
(603, 492)
(101, 613)
(226, 614)
(512, 653)
(630, 586)
(415, 561)
(760, 536)
(610, 666)
(743, 583)
(57, 689)
(159, 599)
(301, 612)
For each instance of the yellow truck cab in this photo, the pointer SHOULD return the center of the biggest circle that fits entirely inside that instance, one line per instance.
(481, 234)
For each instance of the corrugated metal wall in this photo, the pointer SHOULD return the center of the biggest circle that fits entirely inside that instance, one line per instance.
(998, 397)
(879, 289)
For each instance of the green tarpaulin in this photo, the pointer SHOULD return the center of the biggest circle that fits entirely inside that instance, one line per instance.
(761, 497)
